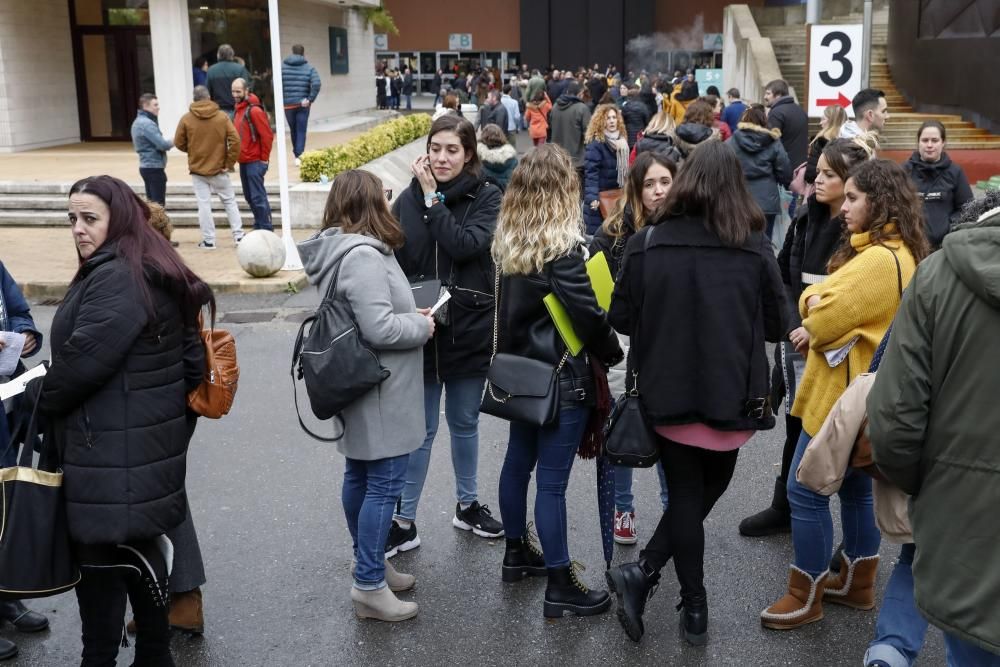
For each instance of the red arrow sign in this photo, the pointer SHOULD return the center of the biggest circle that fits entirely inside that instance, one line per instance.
(841, 100)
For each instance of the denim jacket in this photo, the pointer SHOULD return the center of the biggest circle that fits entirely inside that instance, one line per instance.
(149, 142)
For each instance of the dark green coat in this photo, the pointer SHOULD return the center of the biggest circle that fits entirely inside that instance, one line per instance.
(935, 430)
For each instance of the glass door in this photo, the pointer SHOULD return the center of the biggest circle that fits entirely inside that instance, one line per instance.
(114, 67)
(448, 62)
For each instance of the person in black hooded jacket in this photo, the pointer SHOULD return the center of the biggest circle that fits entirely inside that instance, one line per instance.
(814, 235)
(697, 128)
(448, 215)
(125, 354)
(764, 161)
(941, 183)
(636, 114)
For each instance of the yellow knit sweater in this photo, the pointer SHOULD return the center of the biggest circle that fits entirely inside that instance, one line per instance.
(858, 299)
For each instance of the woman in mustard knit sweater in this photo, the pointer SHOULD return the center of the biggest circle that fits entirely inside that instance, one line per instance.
(844, 318)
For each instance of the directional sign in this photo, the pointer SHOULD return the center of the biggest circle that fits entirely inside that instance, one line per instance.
(460, 41)
(834, 66)
(706, 78)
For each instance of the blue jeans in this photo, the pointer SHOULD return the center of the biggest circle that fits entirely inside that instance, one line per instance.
(624, 500)
(371, 489)
(964, 654)
(254, 191)
(298, 119)
(553, 448)
(812, 524)
(461, 410)
(900, 629)
(409, 101)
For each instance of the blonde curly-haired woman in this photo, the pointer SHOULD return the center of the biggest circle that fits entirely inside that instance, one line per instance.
(538, 249)
(605, 162)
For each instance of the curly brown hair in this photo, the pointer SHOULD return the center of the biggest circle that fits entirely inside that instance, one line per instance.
(891, 199)
(700, 113)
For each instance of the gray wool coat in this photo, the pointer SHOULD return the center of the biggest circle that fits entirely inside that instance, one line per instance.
(389, 420)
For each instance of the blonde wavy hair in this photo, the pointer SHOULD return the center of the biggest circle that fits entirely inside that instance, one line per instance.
(595, 131)
(540, 218)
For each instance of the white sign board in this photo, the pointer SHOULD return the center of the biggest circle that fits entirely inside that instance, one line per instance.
(460, 41)
(381, 42)
(834, 66)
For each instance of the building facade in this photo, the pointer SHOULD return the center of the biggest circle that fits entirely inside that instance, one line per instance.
(72, 70)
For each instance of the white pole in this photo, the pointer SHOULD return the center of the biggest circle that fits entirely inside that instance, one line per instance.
(866, 51)
(292, 260)
(814, 11)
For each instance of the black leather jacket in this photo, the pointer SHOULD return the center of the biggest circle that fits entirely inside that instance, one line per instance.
(526, 329)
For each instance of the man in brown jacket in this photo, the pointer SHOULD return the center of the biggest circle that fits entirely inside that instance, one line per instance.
(207, 135)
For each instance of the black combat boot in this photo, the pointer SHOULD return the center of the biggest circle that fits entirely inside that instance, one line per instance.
(694, 619)
(566, 593)
(633, 584)
(775, 519)
(521, 559)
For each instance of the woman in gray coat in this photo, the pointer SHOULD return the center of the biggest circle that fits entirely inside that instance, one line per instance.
(383, 426)
(764, 161)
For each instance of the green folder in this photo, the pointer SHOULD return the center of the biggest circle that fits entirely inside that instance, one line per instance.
(603, 284)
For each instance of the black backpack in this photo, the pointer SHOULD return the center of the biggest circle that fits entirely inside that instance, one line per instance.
(333, 360)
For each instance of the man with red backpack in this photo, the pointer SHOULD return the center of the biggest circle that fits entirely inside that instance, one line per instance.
(254, 128)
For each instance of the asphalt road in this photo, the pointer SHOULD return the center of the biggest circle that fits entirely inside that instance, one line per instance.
(277, 551)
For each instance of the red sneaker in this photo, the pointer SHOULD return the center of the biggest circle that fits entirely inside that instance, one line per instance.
(625, 528)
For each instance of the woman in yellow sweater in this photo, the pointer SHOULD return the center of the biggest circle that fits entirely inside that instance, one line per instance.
(844, 318)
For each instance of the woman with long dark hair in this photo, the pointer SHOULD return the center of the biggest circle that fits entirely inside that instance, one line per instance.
(448, 214)
(706, 254)
(125, 353)
(382, 427)
(844, 318)
(539, 251)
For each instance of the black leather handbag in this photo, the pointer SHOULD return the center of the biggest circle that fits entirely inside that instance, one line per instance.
(333, 360)
(520, 389)
(628, 439)
(36, 557)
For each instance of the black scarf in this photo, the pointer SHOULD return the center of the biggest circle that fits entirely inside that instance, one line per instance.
(463, 184)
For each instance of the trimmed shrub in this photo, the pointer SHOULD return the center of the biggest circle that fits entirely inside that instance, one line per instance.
(373, 144)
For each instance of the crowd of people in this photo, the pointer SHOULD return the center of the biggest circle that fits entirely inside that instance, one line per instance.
(685, 218)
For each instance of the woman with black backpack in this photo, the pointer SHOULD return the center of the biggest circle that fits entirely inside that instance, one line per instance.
(382, 426)
(448, 214)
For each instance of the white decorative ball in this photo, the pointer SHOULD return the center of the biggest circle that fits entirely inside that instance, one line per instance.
(261, 253)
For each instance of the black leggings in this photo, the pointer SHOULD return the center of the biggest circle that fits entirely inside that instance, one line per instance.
(793, 428)
(696, 479)
(101, 594)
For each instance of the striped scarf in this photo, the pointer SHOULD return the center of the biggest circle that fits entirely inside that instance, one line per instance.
(619, 146)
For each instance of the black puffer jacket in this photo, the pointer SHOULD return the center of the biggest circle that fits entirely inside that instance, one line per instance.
(764, 162)
(698, 313)
(451, 242)
(945, 190)
(636, 115)
(526, 328)
(116, 396)
(689, 135)
(659, 143)
(789, 117)
(811, 240)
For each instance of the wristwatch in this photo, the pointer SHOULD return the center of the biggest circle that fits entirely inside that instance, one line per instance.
(430, 200)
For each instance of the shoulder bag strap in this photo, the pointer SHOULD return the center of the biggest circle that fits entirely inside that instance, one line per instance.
(630, 370)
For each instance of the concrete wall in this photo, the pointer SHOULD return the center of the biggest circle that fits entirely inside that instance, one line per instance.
(37, 85)
(425, 25)
(308, 24)
(748, 59)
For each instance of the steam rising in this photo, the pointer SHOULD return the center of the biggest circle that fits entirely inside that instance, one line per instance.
(640, 52)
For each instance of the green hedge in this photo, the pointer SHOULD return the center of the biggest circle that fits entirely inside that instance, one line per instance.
(374, 143)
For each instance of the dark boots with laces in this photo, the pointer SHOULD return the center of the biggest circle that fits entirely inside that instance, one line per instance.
(633, 584)
(522, 558)
(567, 593)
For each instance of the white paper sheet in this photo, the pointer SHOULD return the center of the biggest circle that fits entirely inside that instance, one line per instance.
(10, 353)
(440, 302)
(16, 386)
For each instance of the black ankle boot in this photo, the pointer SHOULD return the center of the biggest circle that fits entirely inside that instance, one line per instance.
(521, 559)
(633, 584)
(775, 519)
(694, 619)
(566, 593)
(835, 561)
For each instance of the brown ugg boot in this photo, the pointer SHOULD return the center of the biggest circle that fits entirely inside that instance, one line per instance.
(802, 604)
(854, 585)
(186, 612)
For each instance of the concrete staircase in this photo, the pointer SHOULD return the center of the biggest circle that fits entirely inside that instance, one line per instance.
(789, 42)
(44, 205)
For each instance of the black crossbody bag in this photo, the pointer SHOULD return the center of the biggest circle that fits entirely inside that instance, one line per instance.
(520, 389)
(628, 439)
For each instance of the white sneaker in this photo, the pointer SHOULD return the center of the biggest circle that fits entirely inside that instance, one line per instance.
(298, 162)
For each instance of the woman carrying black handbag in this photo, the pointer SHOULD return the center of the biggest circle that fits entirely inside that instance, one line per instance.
(707, 287)
(539, 251)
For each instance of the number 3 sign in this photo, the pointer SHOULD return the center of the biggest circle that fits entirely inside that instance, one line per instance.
(834, 66)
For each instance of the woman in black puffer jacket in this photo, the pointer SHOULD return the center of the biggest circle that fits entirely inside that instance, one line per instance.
(941, 183)
(448, 215)
(125, 353)
(764, 161)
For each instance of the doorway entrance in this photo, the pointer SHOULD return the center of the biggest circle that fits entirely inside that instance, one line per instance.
(113, 58)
